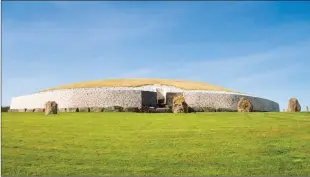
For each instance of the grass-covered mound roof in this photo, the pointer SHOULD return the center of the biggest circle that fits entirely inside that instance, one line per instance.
(137, 82)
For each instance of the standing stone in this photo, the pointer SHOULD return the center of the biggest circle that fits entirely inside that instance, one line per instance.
(179, 105)
(283, 110)
(51, 107)
(170, 96)
(293, 105)
(245, 105)
(307, 109)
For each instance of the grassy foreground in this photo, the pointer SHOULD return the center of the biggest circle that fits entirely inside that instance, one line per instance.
(155, 144)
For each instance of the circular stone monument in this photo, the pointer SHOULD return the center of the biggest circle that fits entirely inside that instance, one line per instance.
(134, 94)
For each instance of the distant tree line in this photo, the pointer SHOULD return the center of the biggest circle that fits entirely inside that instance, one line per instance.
(5, 108)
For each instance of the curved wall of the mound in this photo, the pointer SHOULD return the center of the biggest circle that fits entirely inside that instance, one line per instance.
(135, 97)
(227, 102)
(75, 98)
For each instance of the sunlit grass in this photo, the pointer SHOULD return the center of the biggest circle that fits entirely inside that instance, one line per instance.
(94, 144)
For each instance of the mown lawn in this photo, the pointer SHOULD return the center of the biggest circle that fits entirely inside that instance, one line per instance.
(95, 144)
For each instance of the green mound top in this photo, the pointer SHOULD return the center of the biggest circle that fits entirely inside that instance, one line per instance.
(137, 82)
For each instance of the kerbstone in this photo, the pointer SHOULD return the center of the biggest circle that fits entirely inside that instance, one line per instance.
(72, 109)
(245, 105)
(30, 110)
(84, 109)
(114, 109)
(96, 109)
(39, 110)
(62, 109)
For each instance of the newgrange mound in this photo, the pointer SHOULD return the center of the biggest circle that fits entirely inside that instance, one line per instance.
(135, 94)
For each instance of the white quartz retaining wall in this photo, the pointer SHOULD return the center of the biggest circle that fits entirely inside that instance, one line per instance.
(74, 98)
(227, 101)
(132, 97)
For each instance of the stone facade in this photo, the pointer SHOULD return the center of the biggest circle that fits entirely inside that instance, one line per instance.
(211, 102)
(135, 97)
(75, 98)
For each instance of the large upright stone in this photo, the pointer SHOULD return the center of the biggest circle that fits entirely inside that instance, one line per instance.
(51, 107)
(307, 109)
(179, 105)
(170, 96)
(245, 105)
(293, 105)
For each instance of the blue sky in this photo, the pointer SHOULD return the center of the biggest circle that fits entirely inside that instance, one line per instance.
(260, 48)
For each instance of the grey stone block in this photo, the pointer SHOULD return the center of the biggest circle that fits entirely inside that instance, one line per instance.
(62, 109)
(30, 110)
(163, 110)
(72, 110)
(39, 110)
(131, 109)
(96, 109)
(114, 109)
(84, 109)
(22, 110)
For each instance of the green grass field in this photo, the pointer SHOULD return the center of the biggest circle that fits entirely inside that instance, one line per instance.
(155, 144)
